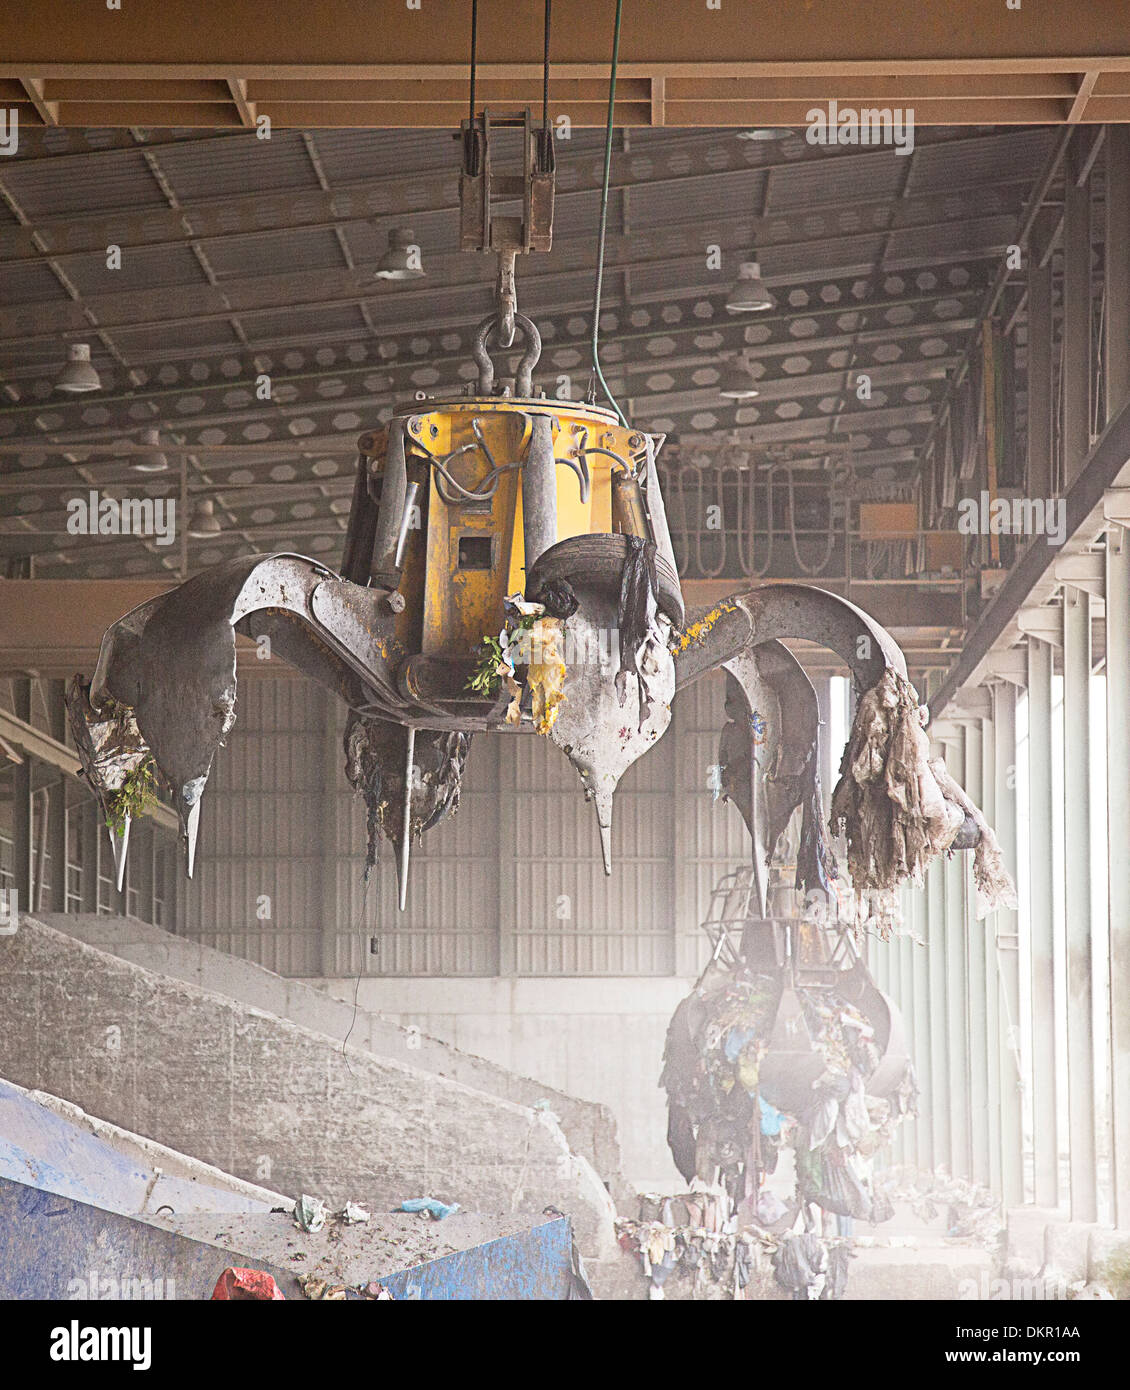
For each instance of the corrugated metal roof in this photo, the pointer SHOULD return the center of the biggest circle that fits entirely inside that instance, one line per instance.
(685, 188)
(205, 169)
(142, 268)
(263, 328)
(274, 253)
(28, 284)
(741, 191)
(113, 179)
(980, 160)
(349, 155)
(847, 178)
(137, 345)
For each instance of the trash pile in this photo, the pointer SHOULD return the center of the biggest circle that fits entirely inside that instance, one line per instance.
(972, 1213)
(716, 1048)
(689, 1250)
(757, 1067)
(843, 1127)
(695, 1261)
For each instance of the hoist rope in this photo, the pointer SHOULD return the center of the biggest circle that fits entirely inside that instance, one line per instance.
(598, 374)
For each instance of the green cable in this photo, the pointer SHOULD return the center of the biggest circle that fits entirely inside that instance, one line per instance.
(597, 373)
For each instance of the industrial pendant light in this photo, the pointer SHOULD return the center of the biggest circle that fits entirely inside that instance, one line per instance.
(205, 523)
(153, 460)
(737, 382)
(749, 293)
(402, 259)
(79, 374)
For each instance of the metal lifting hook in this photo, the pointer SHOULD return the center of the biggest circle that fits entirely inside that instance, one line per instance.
(524, 383)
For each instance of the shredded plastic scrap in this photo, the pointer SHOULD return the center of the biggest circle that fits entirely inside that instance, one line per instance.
(890, 804)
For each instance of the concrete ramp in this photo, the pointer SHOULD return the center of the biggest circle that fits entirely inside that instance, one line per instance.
(589, 1127)
(55, 1146)
(272, 1102)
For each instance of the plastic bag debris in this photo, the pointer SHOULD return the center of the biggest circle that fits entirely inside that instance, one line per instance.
(254, 1285)
(353, 1215)
(800, 1263)
(432, 1206)
(310, 1213)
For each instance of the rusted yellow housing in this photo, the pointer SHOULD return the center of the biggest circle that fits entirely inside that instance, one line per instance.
(486, 479)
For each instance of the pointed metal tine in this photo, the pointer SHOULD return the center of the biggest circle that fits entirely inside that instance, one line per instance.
(760, 869)
(760, 886)
(120, 844)
(603, 803)
(404, 848)
(191, 830)
(606, 849)
(402, 872)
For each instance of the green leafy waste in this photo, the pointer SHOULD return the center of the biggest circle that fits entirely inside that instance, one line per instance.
(485, 679)
(136, 795)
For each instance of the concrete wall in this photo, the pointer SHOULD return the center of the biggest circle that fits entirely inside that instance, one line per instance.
(600, 1040)
(590, 1128)
(268, 1100)
(592, 1048)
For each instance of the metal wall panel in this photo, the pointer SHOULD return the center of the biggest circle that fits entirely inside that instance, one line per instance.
(257, 892)
(512, 884)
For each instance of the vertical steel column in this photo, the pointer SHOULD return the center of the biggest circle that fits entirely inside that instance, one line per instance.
(57, 803)
(1041, 918)
(977, 948)
(22, 848)
(1116, 317)
(91, 846)
(1118, 830)
(1076, 315)
(1077, 894)
(926, 1154)
(992, 969)
(1040, 382)
(907, 951)
(1117, 367)
(871, 949)
(957, 991)
(939, 1021)
(1012, 1139)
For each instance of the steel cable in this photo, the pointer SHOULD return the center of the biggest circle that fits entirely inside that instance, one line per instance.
(598, 374)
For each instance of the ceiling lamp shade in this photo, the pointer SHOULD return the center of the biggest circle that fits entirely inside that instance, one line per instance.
(749, 293)
(205, 523)
(79, 374)
(152, 460)
(737, 383)
(402, 259)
